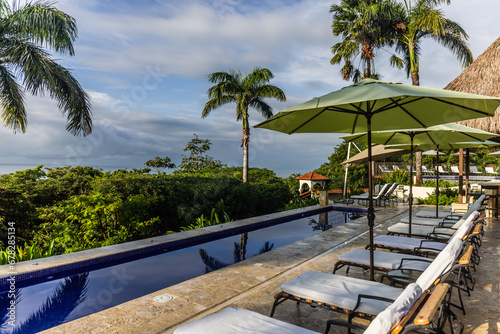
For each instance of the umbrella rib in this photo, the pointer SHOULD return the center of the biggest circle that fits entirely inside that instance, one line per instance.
(460, 106)
(354, 123)
(429, 136)
(309, 120)
(392, 136)
(399, 105)
(469, 135)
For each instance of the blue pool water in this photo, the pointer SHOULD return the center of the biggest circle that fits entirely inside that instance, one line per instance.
(57, 300)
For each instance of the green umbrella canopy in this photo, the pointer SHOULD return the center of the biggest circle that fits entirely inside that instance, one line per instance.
(390, 105)
(434, 135)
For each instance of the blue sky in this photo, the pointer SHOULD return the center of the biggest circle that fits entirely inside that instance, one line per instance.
(144, 63)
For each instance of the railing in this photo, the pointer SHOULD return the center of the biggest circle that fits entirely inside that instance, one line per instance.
(382, 168)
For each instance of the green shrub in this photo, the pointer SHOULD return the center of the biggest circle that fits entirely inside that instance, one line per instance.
(299, 202)
(25, 253)
(446, 197)
(399, 176)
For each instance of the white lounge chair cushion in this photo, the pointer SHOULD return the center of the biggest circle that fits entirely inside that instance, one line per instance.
(422, 221)
(386, 260)
(441, 264)
(395, 241)
(420, 230)
(239, 321)
(341, 291)
(391, 316)
(432, 214)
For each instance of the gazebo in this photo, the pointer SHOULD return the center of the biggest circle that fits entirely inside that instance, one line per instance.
(311, 179)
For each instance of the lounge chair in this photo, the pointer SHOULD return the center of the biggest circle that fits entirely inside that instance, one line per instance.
(449, 220)
(455, 170)
(379, 195)
(395, 317)
(357, 297)
(490, 170)
(239, 321)
(432, 214)
(387, 261)
(441, 170)
(473, 170)
(427, 246)
(389, 195)
(427, 171)
(425, 231)
(383, 261)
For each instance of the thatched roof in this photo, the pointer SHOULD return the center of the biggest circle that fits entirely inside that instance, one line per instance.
(482, 77)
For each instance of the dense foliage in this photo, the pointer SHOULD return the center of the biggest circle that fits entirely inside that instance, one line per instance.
(82, 207)
(446, 197)
(334, 169)
(399, 176)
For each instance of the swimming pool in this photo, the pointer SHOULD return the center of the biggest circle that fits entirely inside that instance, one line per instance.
(50, 301)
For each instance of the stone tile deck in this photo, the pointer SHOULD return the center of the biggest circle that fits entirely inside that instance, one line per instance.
(252, 284)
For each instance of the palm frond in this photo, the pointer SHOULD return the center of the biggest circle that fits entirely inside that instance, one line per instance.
(270, 91)
(266, 248)
(41, 74)
(397, 62)
(215, 103)
(44, 24)
(12, 101)
(457, 46)
(265, 109)
(211, 263)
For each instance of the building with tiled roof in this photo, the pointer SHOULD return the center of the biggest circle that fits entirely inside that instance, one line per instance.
(309, 180)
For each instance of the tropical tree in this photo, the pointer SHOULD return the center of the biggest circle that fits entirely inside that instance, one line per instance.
(246, 91)
(364, 26)
(422, 19)
(25, 65)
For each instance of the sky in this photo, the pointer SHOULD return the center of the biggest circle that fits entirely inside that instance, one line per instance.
(145, 66)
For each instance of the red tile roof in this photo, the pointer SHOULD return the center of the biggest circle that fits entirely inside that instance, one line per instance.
(312, 177)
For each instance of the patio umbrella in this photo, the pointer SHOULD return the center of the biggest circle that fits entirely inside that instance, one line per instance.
(433, 136)
(379, 152)
(456, 154)
(378, 105)
(433, 152)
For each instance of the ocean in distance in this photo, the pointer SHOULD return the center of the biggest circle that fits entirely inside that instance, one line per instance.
(11, 168)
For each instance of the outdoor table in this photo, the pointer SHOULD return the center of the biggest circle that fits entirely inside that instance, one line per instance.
(493, 191)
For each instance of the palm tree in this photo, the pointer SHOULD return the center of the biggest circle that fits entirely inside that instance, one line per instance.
(25, 65)
(364, 25)
(420, 19)
(246, 91)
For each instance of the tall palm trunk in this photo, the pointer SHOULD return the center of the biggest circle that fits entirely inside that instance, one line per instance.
(415, 80)
(244, 144)
(418, 168)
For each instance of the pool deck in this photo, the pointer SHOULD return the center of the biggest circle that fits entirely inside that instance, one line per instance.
(252, 284)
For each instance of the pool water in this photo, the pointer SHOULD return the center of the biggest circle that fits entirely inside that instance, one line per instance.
(55, 301)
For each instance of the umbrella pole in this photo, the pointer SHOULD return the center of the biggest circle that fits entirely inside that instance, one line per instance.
(346, 171)
(371, 214)
(437, 180)
(467, 171)
(410, 195)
